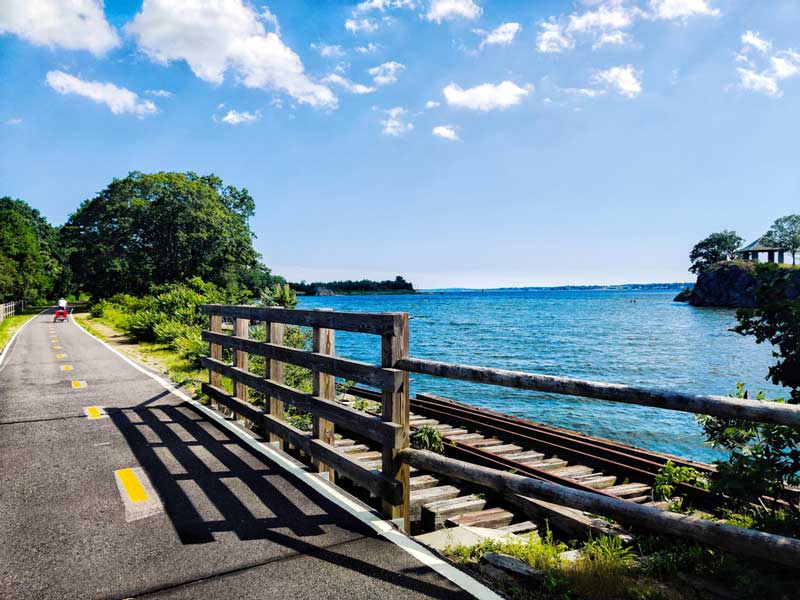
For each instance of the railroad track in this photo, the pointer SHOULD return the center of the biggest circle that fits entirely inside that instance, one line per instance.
(528, 448)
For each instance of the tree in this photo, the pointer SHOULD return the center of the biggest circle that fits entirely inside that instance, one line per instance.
(785, 234)
(30, 268)
(162, 228)
(764, 459)
(713, 249)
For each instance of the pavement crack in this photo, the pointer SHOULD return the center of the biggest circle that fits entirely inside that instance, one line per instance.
(43, 419)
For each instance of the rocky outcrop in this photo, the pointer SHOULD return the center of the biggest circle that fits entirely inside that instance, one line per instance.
(683, 296)
(731, 284)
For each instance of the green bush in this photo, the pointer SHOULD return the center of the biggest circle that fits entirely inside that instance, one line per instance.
(428, 438)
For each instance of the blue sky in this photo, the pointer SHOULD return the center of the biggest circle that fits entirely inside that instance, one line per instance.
(471, 143)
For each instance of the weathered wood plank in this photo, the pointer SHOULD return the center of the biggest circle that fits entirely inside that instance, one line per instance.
(241, 358)
(719, 406)
(740, 541)
(374, 323)
(215, 350)
(396, 407)
(368, 374)
(323, 386)
(274, 371)
(373, 428)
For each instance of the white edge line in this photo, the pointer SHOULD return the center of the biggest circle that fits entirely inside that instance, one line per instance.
(368, 517)
(7, 349)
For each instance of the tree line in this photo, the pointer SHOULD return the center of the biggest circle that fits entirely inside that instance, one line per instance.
(141, 231)
(396, 285)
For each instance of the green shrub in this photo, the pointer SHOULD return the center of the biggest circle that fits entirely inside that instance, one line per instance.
(191, 346)
(428, 438)
(670, 475)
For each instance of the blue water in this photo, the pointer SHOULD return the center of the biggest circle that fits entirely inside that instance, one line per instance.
(598, 335)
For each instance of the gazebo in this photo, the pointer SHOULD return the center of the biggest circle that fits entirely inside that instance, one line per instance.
(754, 250)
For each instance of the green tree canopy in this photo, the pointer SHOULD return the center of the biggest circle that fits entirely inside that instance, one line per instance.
(785, 234)
(713, 249)
(160, 228)
(30, 268)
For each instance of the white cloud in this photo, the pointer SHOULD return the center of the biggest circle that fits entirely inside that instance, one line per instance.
(448, 10)
(758, 82)
(431, 104)
(485, 97)
(586, 92)
(615, 38)
(367, 49)
(785, 64)
(777, 66)
(353, 88)
(553, 38)
(159, 93)
(14, 121)
(75, 25)
(119, 100)
(386, 73)
(681, 9)
(328, 50)
(753, 39)
(383, 5)
(395, 123)
(447, 132)
(216, 37)
(605, 21)
(500, 36)
(234, 117)
(356, 25)
(624, 80)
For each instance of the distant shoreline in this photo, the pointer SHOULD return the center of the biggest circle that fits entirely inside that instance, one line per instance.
(644, 287)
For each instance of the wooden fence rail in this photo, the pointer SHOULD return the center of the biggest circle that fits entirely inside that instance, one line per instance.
(391, 430)
(740, 541)
(718, 406)
(10, 308)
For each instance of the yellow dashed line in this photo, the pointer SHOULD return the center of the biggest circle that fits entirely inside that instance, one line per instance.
(60, 356)
(66, 367)
(56, 347)
(78, 384)
(132, 486)
(94, 413)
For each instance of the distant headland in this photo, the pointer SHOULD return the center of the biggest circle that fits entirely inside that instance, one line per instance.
(623, 286)
(398, 285)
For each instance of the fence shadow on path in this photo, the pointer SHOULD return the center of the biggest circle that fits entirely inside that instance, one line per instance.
(210, 483)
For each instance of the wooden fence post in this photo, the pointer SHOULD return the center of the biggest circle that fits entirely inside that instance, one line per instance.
(215, 350)
(241, 360)
(396, 408)
(274, 371)
(323, 386)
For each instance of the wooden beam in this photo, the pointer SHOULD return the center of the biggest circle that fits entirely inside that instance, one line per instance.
(395, 409)
(370, 427)
(374, 323)
(215, 350)
(274, 372)
(366, 373)
(737, 540)
(323, 386)
(241, 359)
(718, 406)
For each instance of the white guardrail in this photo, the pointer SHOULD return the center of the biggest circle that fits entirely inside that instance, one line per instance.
(10, 308)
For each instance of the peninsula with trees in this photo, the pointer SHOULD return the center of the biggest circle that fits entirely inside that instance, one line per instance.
(398, 285)
(728, 273)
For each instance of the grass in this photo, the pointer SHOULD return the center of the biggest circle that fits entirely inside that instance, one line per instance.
(155, 355)
(9, 326)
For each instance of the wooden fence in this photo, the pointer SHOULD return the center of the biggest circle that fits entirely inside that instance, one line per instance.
(391, 430)
(10, 308)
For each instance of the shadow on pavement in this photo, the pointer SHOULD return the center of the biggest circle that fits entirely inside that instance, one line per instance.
(210, 483)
